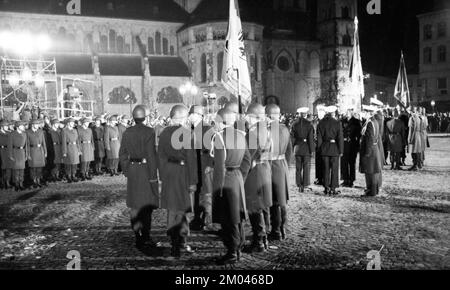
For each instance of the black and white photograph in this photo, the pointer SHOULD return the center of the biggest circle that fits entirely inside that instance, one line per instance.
(240, 136)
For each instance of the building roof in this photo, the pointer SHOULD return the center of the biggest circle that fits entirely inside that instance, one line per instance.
(73, 64)
(120, 65)
(152, 10)
(168, 66)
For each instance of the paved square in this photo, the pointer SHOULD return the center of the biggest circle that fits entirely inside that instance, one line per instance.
(411, 219)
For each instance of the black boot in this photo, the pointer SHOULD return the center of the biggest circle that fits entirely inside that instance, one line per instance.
(88, 176)
(230, 257)
(283, 233)
(175, 251)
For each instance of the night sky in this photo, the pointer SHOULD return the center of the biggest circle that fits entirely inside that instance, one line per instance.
(397, 28)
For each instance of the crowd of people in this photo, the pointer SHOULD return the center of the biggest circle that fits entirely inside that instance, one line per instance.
(439, 122)
(225, 170)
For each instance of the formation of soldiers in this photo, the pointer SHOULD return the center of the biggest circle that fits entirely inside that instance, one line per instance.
(223, 171)
(36, 152)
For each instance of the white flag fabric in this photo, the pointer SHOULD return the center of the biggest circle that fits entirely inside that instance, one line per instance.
(236, 78)
(356, 74)
(401, 92)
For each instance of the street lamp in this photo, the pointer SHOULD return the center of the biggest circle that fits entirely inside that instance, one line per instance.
(433, 103)
(189, 90)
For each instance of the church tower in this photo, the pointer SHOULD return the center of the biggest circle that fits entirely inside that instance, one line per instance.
(335, 29)
(188, 5)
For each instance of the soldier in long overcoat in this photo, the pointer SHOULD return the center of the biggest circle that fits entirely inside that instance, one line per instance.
(202, 134)
(415, 140)
(280, 159)
(86, 146)
(138, 161)
(17, 146)
(370, 163)
(258, 185)
(178, 173)
(37, 152)
(71, 150)
(55, 142)
(330, 140)
(303, 133)
(351, 127)
(423, 134)
(231, 157)
(112, 145)
(4, 155)
(98, 132)
(395, 131)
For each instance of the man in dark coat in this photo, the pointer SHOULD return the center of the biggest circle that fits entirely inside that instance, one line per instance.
(86, 139)
(4, 155)
(415, 140)
(258, 185)
(395, 130)
(112, 145)
(70, 150)
(370, 159)
(303, 133)
(231, 157)
(202, 134)
(330, 140)
(18, 152)
(98, 132)
(138, 161)
(37, 152)
(280, 159)
(179, 177)
(55, 143)
(318, 158)
(404, 117)
(351, 127)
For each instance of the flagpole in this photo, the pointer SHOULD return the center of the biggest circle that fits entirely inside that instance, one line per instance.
(239, 92)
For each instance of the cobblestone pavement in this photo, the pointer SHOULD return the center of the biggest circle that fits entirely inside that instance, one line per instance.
(410, 219)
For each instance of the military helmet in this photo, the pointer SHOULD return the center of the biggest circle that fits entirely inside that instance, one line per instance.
(272, 109)
(113, 118)
(139, 112)
(255, 109)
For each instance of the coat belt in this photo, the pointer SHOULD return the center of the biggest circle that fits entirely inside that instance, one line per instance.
(36, 146)
(3, 147)
(331, 141)
(176, 161)
(71, 143)
(19, 148)
(138, 161)
(114, 139)
(279, 157)
(85, 142)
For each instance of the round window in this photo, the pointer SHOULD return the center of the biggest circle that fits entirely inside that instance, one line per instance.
(283, 63)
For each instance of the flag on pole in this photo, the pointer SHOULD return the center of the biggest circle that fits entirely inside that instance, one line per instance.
(356, 74)
(236, 78)
(401, 92)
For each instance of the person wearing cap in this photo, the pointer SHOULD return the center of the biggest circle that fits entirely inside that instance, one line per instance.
(395, 130)
(369, 154)
(423, 135)
(281, 157)
(98, 133)
(123, 125)
(18, 152)
(258, 185)
(86, 140)
(71, 150)
(231, 158)
(351, 127)
(330, 140)
(318, 158)
(5, 162)
(303, 134)
(202, 134)
(241, 123)
(179, 177)
(138, 160)
(37, 152)
(112, 145)
(54, 150)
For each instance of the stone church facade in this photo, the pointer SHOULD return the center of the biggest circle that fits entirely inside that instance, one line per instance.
(151, 54)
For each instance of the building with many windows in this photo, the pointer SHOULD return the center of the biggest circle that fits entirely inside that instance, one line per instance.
(299, 51)
(434, 67)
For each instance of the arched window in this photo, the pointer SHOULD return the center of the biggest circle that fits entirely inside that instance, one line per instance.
(112, 40)
(158, 42)
(62, 38)
(103, 43)
(71, 42)
(203, 68)
(120, 44)
(165, 46)
(345, 12)
(172, 50)
(88, 43)
(151, 46)
(219, 66)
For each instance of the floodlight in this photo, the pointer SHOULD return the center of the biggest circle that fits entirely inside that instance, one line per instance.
(6, 39)
(43, 42)
(182, 90)
(194, 90)
(27, 75)
(23, 44)
(14, 79)
(39, 81)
